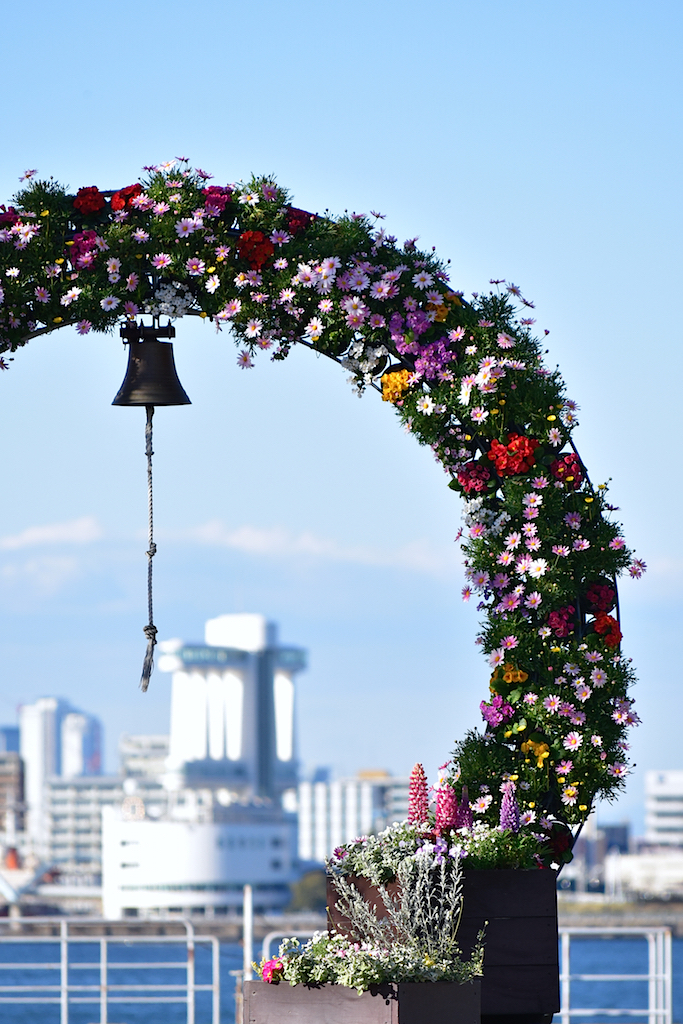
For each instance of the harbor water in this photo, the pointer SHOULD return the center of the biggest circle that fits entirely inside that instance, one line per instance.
(594, 955)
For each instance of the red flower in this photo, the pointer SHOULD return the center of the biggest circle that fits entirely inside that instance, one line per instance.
(123, 197)
(418, 801)
(473, 477)
(446, 808)
(568, 469)
(89, 200)
(561, 621)
(83, 242)
(608, 627)
(514, 458)
(8, 215)
(297, 219)
(255, 247)
(217, 198)
(600, 597)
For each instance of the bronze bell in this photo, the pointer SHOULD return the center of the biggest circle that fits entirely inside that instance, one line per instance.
(151, 377)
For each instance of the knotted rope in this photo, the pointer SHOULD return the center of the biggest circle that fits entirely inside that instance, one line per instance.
(150, 629)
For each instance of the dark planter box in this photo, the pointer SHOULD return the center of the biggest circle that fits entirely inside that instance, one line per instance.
(521, 966)
(438, 1002)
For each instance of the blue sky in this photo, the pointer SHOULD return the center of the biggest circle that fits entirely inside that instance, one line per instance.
(536, 142)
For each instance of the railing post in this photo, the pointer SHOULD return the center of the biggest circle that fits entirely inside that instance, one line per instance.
(189, 930)
(248, 932)
(239, 996)
(103, 981)
(668, 978)
(216, 980)
(652, 979)
(64, 972)
(564, 979)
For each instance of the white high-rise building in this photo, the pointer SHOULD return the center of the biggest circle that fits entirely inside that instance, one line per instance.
(232, 707)
(230, 783)
(56, 740)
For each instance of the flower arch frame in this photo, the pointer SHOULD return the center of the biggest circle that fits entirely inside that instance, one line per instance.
(542, 552)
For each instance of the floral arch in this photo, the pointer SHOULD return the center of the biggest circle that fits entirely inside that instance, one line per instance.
(466, 377)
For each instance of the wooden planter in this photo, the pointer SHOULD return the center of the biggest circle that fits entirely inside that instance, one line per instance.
(521, 966)
(438, 1002)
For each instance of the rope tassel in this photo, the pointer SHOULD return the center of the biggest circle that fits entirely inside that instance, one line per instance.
(150, 629)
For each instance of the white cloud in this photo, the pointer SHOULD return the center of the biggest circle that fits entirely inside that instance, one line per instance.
(77, 531)
(46, 576)
(417, 555)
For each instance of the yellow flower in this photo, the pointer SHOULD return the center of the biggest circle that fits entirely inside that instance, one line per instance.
(440, 313)
(45, 213)
(57, 319)
(541, 751)
(394, 384)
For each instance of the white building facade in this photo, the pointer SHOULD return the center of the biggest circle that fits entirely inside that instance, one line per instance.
(173, 867)
(334, 813)
(664, 808)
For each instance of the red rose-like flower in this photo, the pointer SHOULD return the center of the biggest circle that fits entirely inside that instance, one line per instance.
(297, 219)
(600, 597)
(608, 627)
(89, 200)
(255, 247)
(568, 469)
(473, 477)
(561, 621)
(217, 198)
(8, 215)
(84, 244)
(122, 198)
(516, 457)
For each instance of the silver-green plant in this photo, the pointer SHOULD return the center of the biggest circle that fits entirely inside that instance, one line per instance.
(421, 913)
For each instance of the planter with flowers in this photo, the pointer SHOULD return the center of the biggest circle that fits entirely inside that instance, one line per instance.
(466, 378)
(504, 892)
(396, 942)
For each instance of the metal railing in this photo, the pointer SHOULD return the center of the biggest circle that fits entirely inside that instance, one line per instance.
(104, 993)
(658, 977)
(272, 936)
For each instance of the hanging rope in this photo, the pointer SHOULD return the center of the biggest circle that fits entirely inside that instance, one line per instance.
(150, 629)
